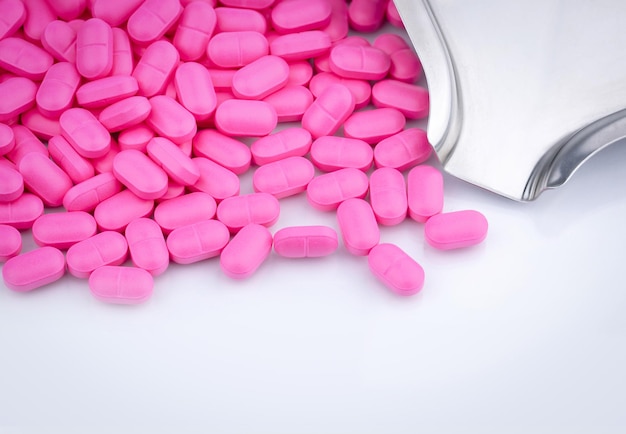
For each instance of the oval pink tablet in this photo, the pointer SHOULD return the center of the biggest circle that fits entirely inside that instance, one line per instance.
(63, 229)
(85, 133)
(146, 245)
(194, 30)
(105, 163)
(94, 49)
(332, 153)
(284, 178)
(358, 226)
(125, 113)
(215, 180)
(34, 269)
(152, 19)
(135, 137)
(245, 253)
(121, 285)
(329, 111)
(367, 15)
(140, 174)
(19, 95)
(338, 26)
(249, 4)
(361, 89)
(156, 67)
(24, 58)
(184, 210)
(41, 126)
(170, 119)
(86, 195)
(425, 192)
(25, 143)
(225, 151)
(372, 126)
(198, 241)
(455, 230)
(194, 90)
(412, 101)
(237, 20)
(365, 63)
(106, 91)
(222, 78)
(114, 213)
(393, 16)
(290, 102)
(397, 270)
(38, 15)
(56, 91)
(291, 16)
(123, 62)
(261, 77)
(13, 15)
(44, 178)
(7, 139)
(252, 118)
(65, 156)
(290, 142)
(173, 161)
(300, 73)
(68, 9)
(388, 196)
(327, 191)
(403, 150)
(305, 241)
(10, 242)
(390, 43)
(405, 66)
(59, 39)
(236, 49)
(104, 248)
(301, 45)
(22, 212)
(238, 211)
(11, 182)
(114, 12)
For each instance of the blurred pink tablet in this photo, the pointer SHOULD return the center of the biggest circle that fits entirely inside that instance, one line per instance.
(44, 178)
(85, 133)
(63, 229)
(19, 94)
(140, 174)
(125, 113)
(367, 15)
(224, 150)
(301, 45)
(245, 253)
(22, 212)
(393, 16)
(338, 26)
(330, 153)
(236, 49)
(372, 126)
(305, 241)
(106, 91)
(290, 102)
(114, 213)
(290, 142)
(13, 15)
(411, 100)
(284, 178)
(194, 90)
(65, 156)
(24, 58)
(361, 89)
(194, 30)
(197, 241)
(259, 208)
(405, 66)
(94, 49)
(156, 67)
(171, 158)
(291, 16)
(146, 245)
(329, 111)
(12, 185)
(34, 269)
(114, 12)
(152, 19)
(59, 39)
(184, 210)
(251, 118)
(238, 19)
(388, 196)
(397, 270)
(121, 285)
(135, 137)
(455, 230)
(56, 91)
(425, 192)
(403, 150)
(170, 119)
(365, 63)
(10, 242)
(85, 196)
(358, 226)
(215, 180)
(327, 191)
(104, 248)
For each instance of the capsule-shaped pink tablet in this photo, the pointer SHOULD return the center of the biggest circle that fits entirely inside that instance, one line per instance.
(171, 158)
(388, 196)
(367, 15)
(301, 45)
(24, 58)
(361, 89)
(237, 117)
(197, 241)
(403, 150)
(290, 102)
(425, 192)
(68, 9)
(136, 137)
(327, 191)
(114, 12)
(10, 242)
(390, 43)
(290, 142)
(393, 16)
(11, 182)
(284, 178)
(106, 91)
(194, 90)
(261, 77)
(22, 212)
(329, 111)
(63, 229)
(215, 180)
(85, 133)
(170, 119)
(156, 67)
(338, 26)
(34, 269)
(56, 91)
(249, 4)
(123, 63)
(114, 213)
(396, 269)
(305, 241)
(86, 195)
(365, 63)
(18, 95)
(405, 66)
(237, 20)
(300, 15)
(44, 178)
(184, 210)
(225, 151)
(146, 245)
(152, 19)
(104, 248)
(140, 174)
(125, 113)
(7, 139)
(13, 15)
(25, 143)
(59, 39)
(222, 78)
(236, 49)
(121, 285)
(238, 211)
(359, 230)
(412, 101)
(94, 49)
(65, 156)
(332, 153)
(372, 126)
(41, 126)
(38, 15)
(455, 230)
(194, 30)
(300, 73)
(245, 253)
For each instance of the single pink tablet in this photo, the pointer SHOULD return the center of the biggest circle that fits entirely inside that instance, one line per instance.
(44, 178)
(215, 180)
(136, 137)
(329, 111)
(156, 67)
(300, 73)
(291, 16)
(25, 143)
(305, 241)
(123, 62)
(390, 43)
(224, 150)
(85, 133)
(338, 26)
(455, 230)
(11, 182)
(245, 253)
(238, 211)
(125, 113)
(284, 178)
(152, 19)
(114, 12)
(405, 66)
(425, 192)
(388, 196)
(65, 156)
(290, 102)
(38, 15)
(22, 212)
(34, 269)
(173, 161)
(237, 20)
(19, 95)
(86, 195)
(146, 245)
(184, 210)
(367, 15)
(197, 241)
(412, 101)
(68, 9)
(106, 91)
(140, 174)
(290, 142)
(403, 150)
(194, 30)
(372, 126)
(396, 269)
(261, 77)
(121, 285)
(56, 91)
(249, 4)
(41, 126)
(170, 119)
(59, 39)
(236, 117)
(94, 49)
(10, 242)
(104, 248)
(114, 213)
(24, 58)
(7, 139)
(365, 63)
(330, 153)
(393, 16)
(13, 15)
(174, 190)
(236, 49)
(63, 229)
(361, 89)
(301, 45)
(327, 191)
(194, 90)
(358, 226)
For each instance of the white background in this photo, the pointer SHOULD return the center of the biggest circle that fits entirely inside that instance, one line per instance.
(523, 333)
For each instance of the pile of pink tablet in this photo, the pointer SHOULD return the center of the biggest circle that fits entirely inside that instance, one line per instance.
(132, 119)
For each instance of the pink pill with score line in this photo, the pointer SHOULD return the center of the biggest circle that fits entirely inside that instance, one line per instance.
(41, 126)
(412, 101)
(86, 195)
(57, 89)
(290, 142)
(198, 241)
(171, 158)
(301, 45)
(237, 117)
(34, 269)
(156, 67)
(372, 126)
(135, 137)
(358, 226)
(388, 196)
(455, 230)
(250, 4)
(121, 285)
(365, 63)
(24, 58)
(85, 133)
(238, 211)
(215, 180)
(290, 102)
(59, 39)
(237, 19)
(106, 91)
(125, 113)
(152, 19)
(326, 192)
(94, 49)
(170, 119)
(396, 269)
(13, 15)
(305, 241)
(284, 178)
(425, 192)
(330, 153)
(25, 143)
(261, 77)
(11, 182)
(146, 245)
(224, 150)
(140, 174)
(10, 242)
(104, 248)
(7, 139)
(123, 62)
(65, 156)
(194, 90)
(19, 94)
(44, 178)
(63, 229)
(184, 210)
(117, 211)
(247, 250)
(405, 66)
(329, 111)
(114, 12)
(22, 212)
(194, 30)
(403, 150)
(237, 49)
(300, 15)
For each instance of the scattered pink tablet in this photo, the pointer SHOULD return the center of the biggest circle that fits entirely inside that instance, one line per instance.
(22, 212)
(12, 185)
(94, 49)
(104, 248)
(237, 117)
(365, 63)
(367, 15)
(194, 30)
(299, 15)
(290, 142)
(106, 91)
(65, 156)
(19, 95)
(329, 111)
(140, 174)
(152, 19)
(59, 39)
(239, 211)
(224, 150)
(425, 192)
(305, 241)
(261, 77)
(184, 210)
(121, 285)
(41, 126)
(123, 62)
(10, 242)
(44, 178)
(403, 150)
(388, 196)
(146, 245)
(125, 113)
(284, 178)
(395, 269)
(238, 19)
(405, 66)
(236, 49)
(156, 67)
(34, 269)
(13, 16)
(117, 211)
(332, 153)
(372, 126)
(455, 230)
(170, 119)
(7, 139)
(56, 91)
(327, 191)
(359, 229)
(361, 89)
(290, 102)
(197, 241)
(24, 58)
(25, 143)
(172, 159)
(411, 100)
(86, 195)
(85, 133)
(215, 180)
(301, 45)
(114, 12)
(195, 91)
(63, 229)
(245, 253)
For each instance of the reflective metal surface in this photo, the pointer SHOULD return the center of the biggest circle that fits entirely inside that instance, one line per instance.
(522, 92)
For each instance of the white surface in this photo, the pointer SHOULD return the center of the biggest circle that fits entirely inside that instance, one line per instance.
(524, 333)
